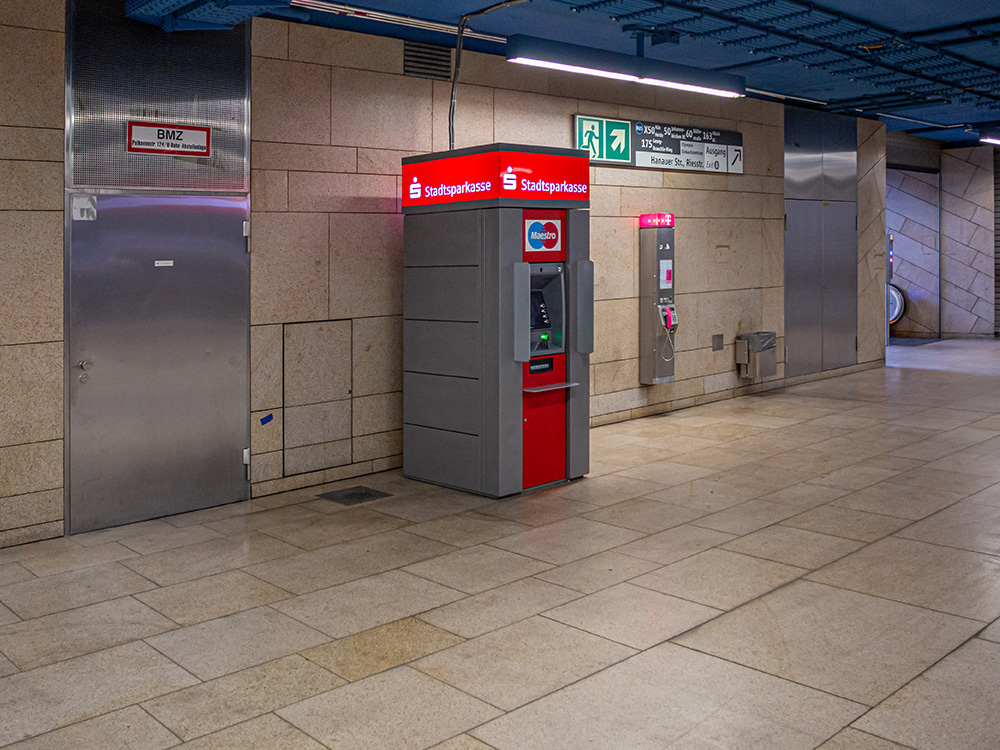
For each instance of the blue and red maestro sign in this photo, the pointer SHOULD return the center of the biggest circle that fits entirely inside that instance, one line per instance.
(542, 235)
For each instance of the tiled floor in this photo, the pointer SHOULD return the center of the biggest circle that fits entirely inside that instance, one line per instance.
(813, 568)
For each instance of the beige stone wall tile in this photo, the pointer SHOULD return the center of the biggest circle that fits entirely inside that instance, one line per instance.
(344, 49)
(605, 200)
(614, 250)
(616, 330)
(533, 118)
(317, 423)
(32, 467)
(379, 445)
(377, 354)
(31, 397)
(266, 344)
(357, 469)
(615, 376)
(383, 109)
(380, 413)
(32, 89)
(672, 100)
(634, 398)
(31, 285)
(342, 193)
(31, 186)
(366, 265)
(49, 15)
(290, 101)
(268, 437)
(266, 466)
(289, 267)
(27, 534)
(381, 161)
(773, 309)
(489, 70)
(600, 95)
(316, 457)
(298, 157)
(32, 144)
(31, 509)
(268, 190)
(269, 38)
(317, 363)
(627, 177)
(385, 464)
(473, 115)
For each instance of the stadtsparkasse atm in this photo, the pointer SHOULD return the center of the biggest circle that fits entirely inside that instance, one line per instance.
(498, 317)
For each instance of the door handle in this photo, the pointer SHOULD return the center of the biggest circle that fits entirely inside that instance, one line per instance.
(84, 364)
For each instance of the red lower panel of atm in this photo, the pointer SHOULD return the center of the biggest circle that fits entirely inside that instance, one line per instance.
(544, 428)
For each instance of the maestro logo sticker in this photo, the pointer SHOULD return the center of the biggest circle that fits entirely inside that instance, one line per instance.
(539, 235)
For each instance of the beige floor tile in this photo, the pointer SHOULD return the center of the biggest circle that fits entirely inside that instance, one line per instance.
(850, 524)
(321, 530)
(992, 633)
(65, 560)
(203, 599)
(118, 533)
(805, 495)
(720, 458)
(467, 529)
(499, 607)
(989, 496)
(49, 547)
(168, 538)
(263, 519)
(522, 662)
(43, 596)
(855, 477)
(667, 473)
(537, 508)
(7, 617)
(462, 742)
(953, 705)
(763, 479)
(675, 544)
(211, 514)
(943, 479)
(706, 495)
(62, 694)
(852, 739)
(719, 579)
(64, 635)
(6, 666)
(429, 505)
(632, 455)
(965, 525)
(927, 575)
(264, 733)
(748, 517)
(564, 541)
(597, 572)
(208, 558)
(235, 698)
(13, 573)
(366, 603)
(309, 571)
(476, 569)
(888, 499)
(128, 729)
(394, 710)
(671, 697)
(645, 515)
(606, 490)
(363, 654)
(803, 549)
(848, 644)
(228, 644)
(633, 616)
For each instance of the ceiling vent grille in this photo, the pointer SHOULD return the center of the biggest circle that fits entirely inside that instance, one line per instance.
(427, 61)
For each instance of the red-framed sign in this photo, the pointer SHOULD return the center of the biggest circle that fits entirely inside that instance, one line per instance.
(171, 139)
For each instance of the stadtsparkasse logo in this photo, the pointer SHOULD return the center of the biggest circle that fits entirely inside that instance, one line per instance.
(415, 190)
(509, 179)
(542, 236)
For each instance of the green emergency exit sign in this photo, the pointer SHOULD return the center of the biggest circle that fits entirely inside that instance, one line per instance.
(607, 140)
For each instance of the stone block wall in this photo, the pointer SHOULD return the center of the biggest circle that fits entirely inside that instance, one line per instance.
(961, 224)
(32, 44)
(871, 240)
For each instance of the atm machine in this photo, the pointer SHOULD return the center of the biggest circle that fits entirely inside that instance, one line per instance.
(498, 297)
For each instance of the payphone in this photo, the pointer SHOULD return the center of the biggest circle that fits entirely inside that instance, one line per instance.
(657, 308)
(497, 317)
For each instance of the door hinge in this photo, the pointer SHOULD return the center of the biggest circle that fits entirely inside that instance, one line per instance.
(246, 462)
(246, 228)
(855, 343)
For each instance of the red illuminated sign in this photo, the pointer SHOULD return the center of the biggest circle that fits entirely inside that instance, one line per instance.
(656, 220)
(496, 175)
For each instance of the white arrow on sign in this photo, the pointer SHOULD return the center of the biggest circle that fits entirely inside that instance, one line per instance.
(618, 140)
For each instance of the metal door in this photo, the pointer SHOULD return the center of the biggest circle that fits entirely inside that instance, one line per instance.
(840, 285)
(803, 287)
(157, 356)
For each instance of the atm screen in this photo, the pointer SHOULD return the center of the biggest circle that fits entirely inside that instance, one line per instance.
(539, 314)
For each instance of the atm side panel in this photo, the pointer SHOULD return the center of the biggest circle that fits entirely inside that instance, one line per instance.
(579, 341)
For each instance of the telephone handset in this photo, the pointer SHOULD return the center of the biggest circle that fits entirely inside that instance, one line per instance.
(668, 317)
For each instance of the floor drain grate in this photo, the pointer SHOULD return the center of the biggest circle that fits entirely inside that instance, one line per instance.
(354, 495)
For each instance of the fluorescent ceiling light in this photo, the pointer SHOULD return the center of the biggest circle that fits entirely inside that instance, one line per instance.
(994, 141)
(990, 134)
(572, 58)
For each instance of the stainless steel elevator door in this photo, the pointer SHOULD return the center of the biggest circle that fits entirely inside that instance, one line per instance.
(159, 313)
(840, 284)
(803, 287)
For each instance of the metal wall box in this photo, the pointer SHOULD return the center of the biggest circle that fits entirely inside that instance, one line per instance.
(756, 354)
